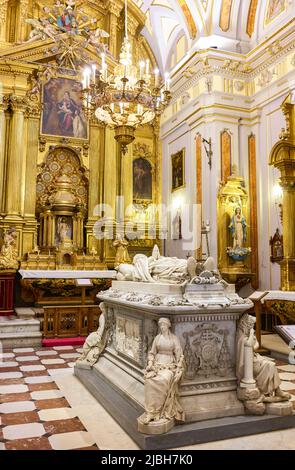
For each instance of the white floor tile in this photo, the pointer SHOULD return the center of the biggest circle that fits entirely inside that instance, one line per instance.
(287, 386)
(6, 355)
(71, 440)
(10, 375)
(287, 376)
(23, 350)
(8, 364)
(17, 407)
(23, 431)
(61, 371)
(56, 413)
(79, 350)
(46, 394)
(52, 361)
(71, 364)
(287, 368)
(46, 353)
(39, 379)
(60, 348)
(27, 358)
(18, 388)
(31, 368)
(70, 355)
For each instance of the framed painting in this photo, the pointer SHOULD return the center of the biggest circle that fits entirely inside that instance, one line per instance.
(142, 180)
(177, 162)
(62, 114)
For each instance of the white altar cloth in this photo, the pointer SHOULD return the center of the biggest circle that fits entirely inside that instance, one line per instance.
(66, 274)
(279, 295)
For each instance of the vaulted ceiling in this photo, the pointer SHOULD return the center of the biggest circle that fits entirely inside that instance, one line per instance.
(234, 25)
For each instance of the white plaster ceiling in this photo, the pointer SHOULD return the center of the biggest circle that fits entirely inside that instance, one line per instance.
(200, 22)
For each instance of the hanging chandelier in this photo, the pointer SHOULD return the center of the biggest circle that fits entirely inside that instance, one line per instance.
(131, 97)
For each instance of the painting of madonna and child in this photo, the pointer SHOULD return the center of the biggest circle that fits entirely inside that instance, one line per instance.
(62, 109)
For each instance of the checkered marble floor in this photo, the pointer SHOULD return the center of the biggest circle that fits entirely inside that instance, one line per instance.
(34, 413)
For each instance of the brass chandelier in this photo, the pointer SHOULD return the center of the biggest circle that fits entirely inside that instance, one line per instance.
(131, 97)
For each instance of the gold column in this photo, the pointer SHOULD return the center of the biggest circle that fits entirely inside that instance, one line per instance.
(15, 157)
(126, 179)
(283, 157)
(3, 108)
(114, 10)
(21, 25)
(253, 209)
(96, 178)
(80, 230)
(3, 19)
(29, 230)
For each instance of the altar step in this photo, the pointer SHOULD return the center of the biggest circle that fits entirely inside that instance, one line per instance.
(17, 332)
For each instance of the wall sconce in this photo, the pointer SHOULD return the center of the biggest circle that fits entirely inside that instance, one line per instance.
(208, 149)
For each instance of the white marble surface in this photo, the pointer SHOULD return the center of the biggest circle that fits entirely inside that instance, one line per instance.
(53, 414)
(23, 431)
(17, 388)
(17, 407)
(10, 375)
(61, 348)
(46, 353)
(31, 368)
(71, 440)
(39, 379)
(66, 274)
(27, 358)
(23, 350)
(52, 361)
(46, 394)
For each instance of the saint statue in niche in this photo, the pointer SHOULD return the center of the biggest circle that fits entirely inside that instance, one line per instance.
(63, 230)
(238, 228)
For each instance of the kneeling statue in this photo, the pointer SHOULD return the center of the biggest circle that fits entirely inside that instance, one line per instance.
(258, 376)
(162, 375)
(95, 342)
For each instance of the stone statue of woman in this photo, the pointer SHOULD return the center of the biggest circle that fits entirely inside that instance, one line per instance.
(264, 369)
(162, 375)
(95, 342)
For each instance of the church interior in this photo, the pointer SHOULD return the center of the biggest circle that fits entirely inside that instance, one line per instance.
(147, 224)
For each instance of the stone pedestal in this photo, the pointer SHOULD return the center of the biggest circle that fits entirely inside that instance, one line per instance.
(7, 280)
(206, 330)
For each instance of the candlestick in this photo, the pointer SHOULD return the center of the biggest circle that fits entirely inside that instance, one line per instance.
(141, 69)
(156, 72)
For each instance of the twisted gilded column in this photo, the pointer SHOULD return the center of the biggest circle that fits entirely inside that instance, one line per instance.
(16, 152)
(283, 157)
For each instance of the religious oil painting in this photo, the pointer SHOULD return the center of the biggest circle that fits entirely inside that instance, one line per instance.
(274, 9)
(62, 109)
(177, 161)
(142, 179)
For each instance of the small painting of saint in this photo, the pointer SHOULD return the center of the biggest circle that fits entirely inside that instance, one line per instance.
(177, 161)
(62, 112)
(142, 179)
